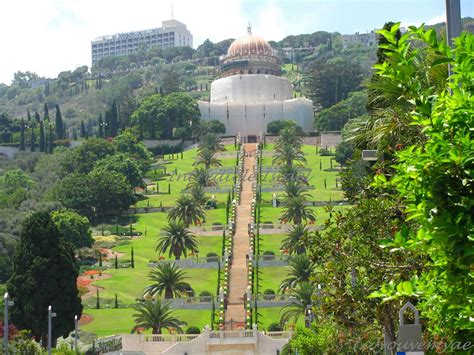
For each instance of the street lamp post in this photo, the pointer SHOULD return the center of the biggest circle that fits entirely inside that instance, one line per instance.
(51, 314)
(308, 315)
(7, 303)
(75, 333)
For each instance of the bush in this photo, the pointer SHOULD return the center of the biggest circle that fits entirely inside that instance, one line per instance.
(193, 330)
(211, 257)
(268, 255)
(205, 296)
(269, 294)
(275, 327)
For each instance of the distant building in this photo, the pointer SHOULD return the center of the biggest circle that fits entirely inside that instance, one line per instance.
(366, 39)
(250, 92)
(172, 34)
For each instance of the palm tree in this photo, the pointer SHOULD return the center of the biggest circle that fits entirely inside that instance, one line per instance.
(299, 300)
(177, 239)
(187, 210)
(211, 142)
(201, 177)
(156, 315)
(168, 278)
(300, 269)
(206, 157)
(294, 189)
(291, 135)
(291, 173)
(288, 155)
(198, 194)
(296, 210)
(295, 240)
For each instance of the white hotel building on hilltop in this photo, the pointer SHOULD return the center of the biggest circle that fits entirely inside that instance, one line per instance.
(172, 34)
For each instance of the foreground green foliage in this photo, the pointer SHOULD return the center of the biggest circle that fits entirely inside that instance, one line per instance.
(44, 261)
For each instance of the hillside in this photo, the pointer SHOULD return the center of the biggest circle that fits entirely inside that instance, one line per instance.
(83, 94)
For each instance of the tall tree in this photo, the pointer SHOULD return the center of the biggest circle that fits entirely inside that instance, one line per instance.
(114, 123)
(59, 127)
(28, 115)
(83, 130)
(74, 227)
(187, 210)
(50, 141)
(101, 127)
(177, 239)
(46, 112)
(37, 117)
(42, 143)
(44, 274)
(156, 315)
(168, 279)
(22, 135)
(33, 140)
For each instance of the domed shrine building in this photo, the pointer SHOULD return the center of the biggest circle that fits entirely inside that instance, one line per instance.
(251, 92)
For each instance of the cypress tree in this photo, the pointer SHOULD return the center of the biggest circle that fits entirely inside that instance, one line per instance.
(46, 112)
(114, 125)
(101, 127)
(42, 145)
(37, 117)
(107, 124)
(116, 301)
(133, 260)
(74, 134)
(50, 141)
(22, 135)
(161, 91)
(116, 262)
(28, 115)
(83, 130)
(59, 124)
(97, 304)
(100, 259)
(44, 273)
(32, 140)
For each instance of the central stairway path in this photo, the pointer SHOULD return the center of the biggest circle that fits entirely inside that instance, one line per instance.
(235, 313)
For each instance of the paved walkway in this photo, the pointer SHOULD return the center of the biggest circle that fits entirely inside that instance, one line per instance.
(235, 313)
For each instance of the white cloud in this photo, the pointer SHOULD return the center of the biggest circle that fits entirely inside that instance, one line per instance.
(50, 36)
(431, 21)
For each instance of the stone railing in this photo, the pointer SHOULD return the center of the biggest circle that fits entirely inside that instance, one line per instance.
(201, 262)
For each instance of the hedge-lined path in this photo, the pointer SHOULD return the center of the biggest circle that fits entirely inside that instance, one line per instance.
(238, 271)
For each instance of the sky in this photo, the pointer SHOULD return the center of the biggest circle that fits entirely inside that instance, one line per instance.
(50, 36)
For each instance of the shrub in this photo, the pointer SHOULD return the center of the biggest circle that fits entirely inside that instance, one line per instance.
(269, 294)
(211, 257)
(275, 327)
(268, 255)
(205, 296)
(193, 330)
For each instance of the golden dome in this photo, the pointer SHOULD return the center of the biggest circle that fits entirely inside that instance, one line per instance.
(248, 45)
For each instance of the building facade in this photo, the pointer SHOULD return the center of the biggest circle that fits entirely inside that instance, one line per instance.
(366, 39)
(172, 34)
(250, 93)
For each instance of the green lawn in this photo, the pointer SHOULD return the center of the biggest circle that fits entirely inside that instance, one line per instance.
(129, 283)
(118, 321)
(267, 316)
(270, 277)
(272, 214)
(176, 176)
